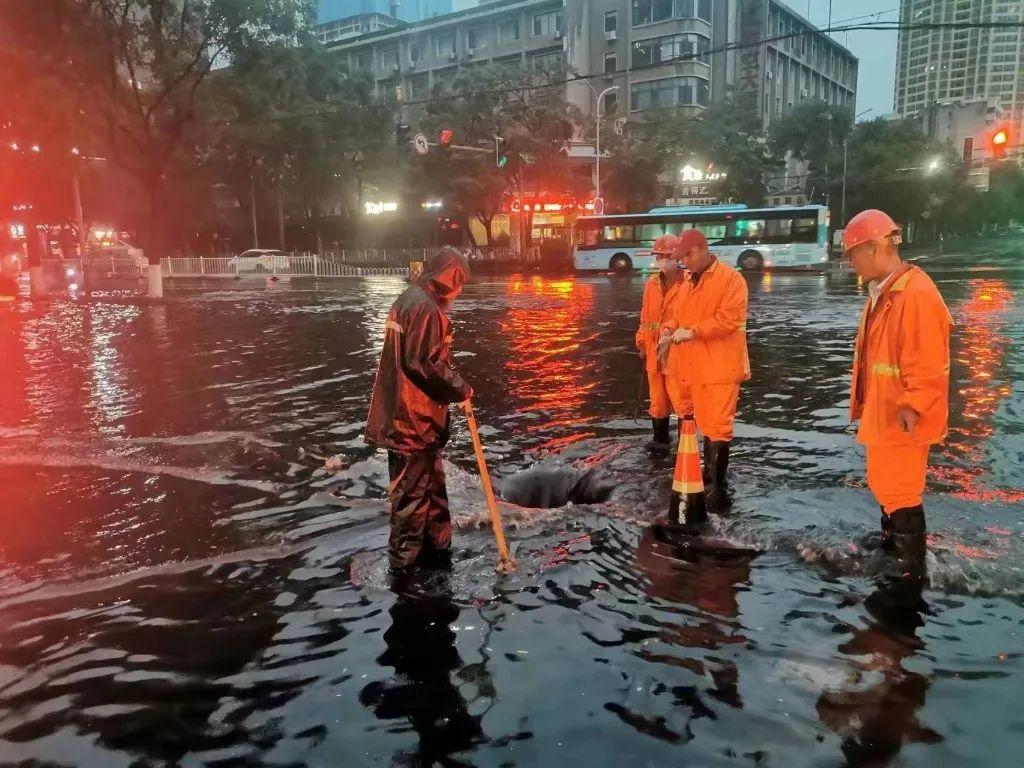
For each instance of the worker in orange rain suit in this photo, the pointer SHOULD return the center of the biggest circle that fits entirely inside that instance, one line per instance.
(900, 388)
(705, 341)
(409, 412)
(659, 294)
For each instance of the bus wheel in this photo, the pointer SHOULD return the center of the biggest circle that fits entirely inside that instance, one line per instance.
(751, 261)
(620, 264)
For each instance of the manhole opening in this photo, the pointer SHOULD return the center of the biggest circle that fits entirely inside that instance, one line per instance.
(554, 487)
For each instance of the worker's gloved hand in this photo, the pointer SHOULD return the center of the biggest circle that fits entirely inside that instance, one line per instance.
(469, 398)
(643, 353)
(681, 335)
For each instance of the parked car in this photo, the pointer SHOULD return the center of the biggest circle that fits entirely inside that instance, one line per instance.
(120, 254)
(260, 260)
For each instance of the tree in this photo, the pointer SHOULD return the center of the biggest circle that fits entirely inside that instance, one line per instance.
(288, 119)
(535, 125)
(141, 64)
(814, 132)
(725, 139)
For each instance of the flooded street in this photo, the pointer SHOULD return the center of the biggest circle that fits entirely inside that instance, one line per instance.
(182, 584)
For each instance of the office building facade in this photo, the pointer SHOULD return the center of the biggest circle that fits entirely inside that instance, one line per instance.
(339, 20)
(685, 54)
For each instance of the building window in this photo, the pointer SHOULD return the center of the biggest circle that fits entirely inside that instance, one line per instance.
(508, 30)
(476, 38)
(389, 59)
(547, 23)
(444, 46)
(611, 63)
(364, 60)
(651, 11)
(551, 63)
(611, 21)
(662, 50)
(415, 51)
(419, 87)
(670, 92)
(611, 103)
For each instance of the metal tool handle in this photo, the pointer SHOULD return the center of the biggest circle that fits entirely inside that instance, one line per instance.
(506, 563)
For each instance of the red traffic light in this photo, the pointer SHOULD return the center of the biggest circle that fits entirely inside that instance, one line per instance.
(1000, 139)
(445, 137)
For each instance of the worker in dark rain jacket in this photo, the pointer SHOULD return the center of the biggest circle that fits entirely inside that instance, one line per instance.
(409, 411)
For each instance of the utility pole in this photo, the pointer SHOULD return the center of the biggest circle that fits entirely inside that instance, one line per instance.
(846, 145)
(252, 202)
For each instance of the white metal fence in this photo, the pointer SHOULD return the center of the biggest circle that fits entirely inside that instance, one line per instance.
(306, 265)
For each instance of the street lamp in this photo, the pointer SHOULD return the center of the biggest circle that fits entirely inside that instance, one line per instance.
(597, 143)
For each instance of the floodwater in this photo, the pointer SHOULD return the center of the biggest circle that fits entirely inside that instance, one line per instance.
(182, 584)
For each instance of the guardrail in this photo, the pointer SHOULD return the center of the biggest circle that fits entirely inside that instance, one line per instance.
(275, 266)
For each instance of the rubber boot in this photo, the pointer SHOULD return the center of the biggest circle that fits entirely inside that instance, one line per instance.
(661, 440)
(906, 540)
(716, 465)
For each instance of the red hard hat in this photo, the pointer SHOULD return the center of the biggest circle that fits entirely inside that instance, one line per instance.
(867, 226)
(688, 240)
(664, 245)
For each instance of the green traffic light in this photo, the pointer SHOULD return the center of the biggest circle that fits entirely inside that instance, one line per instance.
(503, 161)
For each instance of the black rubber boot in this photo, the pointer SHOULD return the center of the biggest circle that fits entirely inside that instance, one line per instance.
(661, 433)
(906, 540)
(716, 465)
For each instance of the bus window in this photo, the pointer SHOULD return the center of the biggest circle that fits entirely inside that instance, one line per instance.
(747, 231)
(588, 237)
(648, 233)
(623, 233)
(779, 230)
(805, 230)
(714, 231)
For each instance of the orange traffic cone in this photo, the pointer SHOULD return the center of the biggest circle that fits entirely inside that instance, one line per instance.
(687, 481)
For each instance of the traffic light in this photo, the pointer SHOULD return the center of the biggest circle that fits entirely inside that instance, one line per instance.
(1000, 142)
(444, 138)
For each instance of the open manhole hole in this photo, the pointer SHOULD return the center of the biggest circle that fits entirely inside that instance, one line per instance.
(543, 487)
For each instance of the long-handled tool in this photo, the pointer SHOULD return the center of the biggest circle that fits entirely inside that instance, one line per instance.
(506, 564)
(639, 391)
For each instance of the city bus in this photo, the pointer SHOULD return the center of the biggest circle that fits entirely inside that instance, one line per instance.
(751, 239)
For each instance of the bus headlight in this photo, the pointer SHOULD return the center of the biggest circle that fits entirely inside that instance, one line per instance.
(70, 271)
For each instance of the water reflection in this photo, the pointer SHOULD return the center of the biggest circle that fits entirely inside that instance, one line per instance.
(421, 650)
(702, 592)
(547, 376)
(877, 719)
(981, 320)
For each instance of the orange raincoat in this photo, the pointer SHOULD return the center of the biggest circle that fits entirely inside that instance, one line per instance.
(660, 293)
(901, 359)
(707, 370)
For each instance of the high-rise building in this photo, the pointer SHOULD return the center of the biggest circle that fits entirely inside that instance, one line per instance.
(947, 65)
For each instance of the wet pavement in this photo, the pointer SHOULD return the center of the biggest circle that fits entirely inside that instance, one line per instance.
(182, 584)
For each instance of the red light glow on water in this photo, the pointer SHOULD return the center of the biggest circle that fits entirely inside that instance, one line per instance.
(983, 387)
(546, 376)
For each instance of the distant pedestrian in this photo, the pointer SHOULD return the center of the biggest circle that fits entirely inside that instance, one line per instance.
(900, 388)
(409, 411)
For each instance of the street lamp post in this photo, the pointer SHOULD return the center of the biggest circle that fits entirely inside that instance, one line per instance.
(597, 143)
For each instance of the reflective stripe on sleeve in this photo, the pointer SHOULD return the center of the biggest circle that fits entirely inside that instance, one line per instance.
(885, 369)
(391, 325)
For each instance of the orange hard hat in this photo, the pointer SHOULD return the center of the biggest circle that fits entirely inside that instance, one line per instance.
(664, 245)
(688, 240)
(867, 226)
